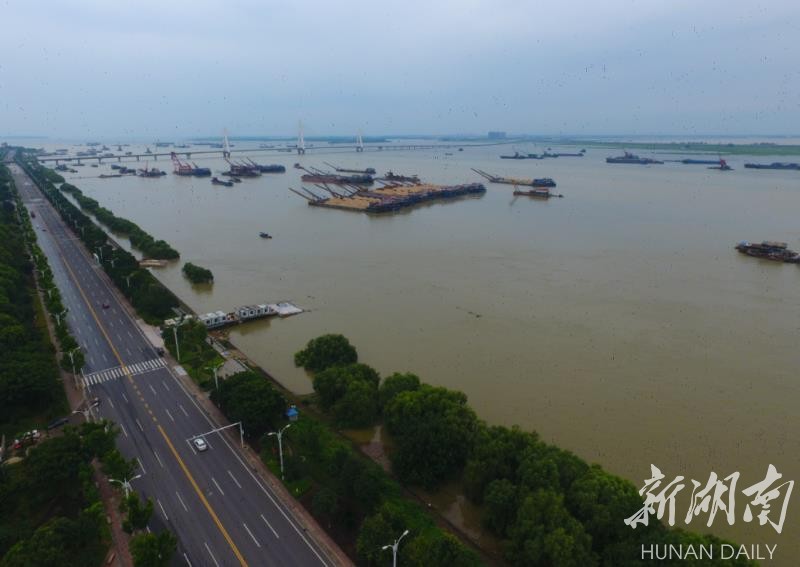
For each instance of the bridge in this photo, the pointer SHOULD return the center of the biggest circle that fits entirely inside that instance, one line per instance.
(221, 152)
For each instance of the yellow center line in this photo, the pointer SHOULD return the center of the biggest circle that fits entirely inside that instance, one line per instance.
(183, 466)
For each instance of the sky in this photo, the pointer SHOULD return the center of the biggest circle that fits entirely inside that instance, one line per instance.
(170, 70)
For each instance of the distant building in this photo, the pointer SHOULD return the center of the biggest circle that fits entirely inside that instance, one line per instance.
(497, 135)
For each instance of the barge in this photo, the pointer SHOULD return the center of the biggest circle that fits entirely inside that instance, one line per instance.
(769, 250)
(632, 159)
(540, 182)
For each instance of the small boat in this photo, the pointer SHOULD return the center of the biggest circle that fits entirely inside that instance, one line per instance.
(769, 250)
(539, 192)
(216, 181)
(236, 179)
(264, 235)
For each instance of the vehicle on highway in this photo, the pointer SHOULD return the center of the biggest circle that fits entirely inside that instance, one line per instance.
(200, 444)
(160, 351)
(106, 305)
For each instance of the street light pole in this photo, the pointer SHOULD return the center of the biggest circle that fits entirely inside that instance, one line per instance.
(394, 547)
(72, 360)
(279, 434)
(177, 348)
(214, 369)
(125, 483)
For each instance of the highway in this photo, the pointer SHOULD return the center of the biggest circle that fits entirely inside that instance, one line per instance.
(220, 511)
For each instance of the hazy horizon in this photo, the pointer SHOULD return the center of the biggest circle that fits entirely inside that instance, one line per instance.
(186, 70)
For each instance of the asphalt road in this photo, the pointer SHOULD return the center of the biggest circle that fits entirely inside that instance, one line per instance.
(220, 511)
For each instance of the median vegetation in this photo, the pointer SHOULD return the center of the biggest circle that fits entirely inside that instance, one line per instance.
(152, 300)
(149, 246)
(197, 274)
(546, 505)
(30, 391)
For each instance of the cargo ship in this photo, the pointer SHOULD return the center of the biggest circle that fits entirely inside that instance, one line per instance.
(632, 158)
(769, 250)
(540, 182)
(367, 171)
(773, 165)
(516, 155)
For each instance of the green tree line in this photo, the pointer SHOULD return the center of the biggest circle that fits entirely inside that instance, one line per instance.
(140, 239)
(548, 506)
(152, 300)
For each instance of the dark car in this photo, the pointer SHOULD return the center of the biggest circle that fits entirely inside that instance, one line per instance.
(106, 305)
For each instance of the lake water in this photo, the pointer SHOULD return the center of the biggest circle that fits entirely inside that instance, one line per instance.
(618, 322)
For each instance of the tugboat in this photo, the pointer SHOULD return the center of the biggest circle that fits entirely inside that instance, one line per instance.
(769, 250)
(216, 181)
(632, 158)
(265, 235)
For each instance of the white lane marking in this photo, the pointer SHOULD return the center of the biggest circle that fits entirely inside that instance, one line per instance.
(163, 383)
(124, 397)
(128, 351)
(181, 500)
(214, 480)
(183, 410)
(141, 466)
(158, 459)
(189, 563)
(123, 429)
(139, 424)
(234, 479)
(110, 401)
(214, 559)
(160, 505)
(270, 526)
(152, 389)
(169, 414)
(251, 535)
(129, 333)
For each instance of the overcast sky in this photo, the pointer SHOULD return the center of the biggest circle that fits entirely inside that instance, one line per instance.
(171, 69)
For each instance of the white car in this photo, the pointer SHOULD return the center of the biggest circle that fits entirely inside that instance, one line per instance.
(200, 444)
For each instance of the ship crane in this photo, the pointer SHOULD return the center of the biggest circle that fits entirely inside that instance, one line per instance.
(179, 167)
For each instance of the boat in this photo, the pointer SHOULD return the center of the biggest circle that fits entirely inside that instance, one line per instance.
(773, 165)
(516, 155)
(367, 171)
(236, 179)
(539, 192)
(216, 181)
(722, 165)
(690, 161)
(632, 158)
(540, 182)
(391, 176)
(769, 250)
(264, 235)
(151, 172)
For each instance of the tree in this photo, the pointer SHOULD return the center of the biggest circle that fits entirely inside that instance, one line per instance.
(153, 550)
(118, 467)
(350, 393)
(325, 504)
(197, 274)
(433, 429)
(138, 514)
(546, 534)
(396, 383)
(326, 351)
(439, 549)
(378, 530)
(500, 505)
(251, 399)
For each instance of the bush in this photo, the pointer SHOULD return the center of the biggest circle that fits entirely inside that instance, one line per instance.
(197, 274)
(324, 352)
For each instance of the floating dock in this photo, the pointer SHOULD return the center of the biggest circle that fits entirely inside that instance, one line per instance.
(218, 319)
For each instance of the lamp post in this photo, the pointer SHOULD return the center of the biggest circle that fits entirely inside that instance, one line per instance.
(279, 434)
(58, 316)
(125, 483)
(71, 355)
(394, 547)
(214, 370)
